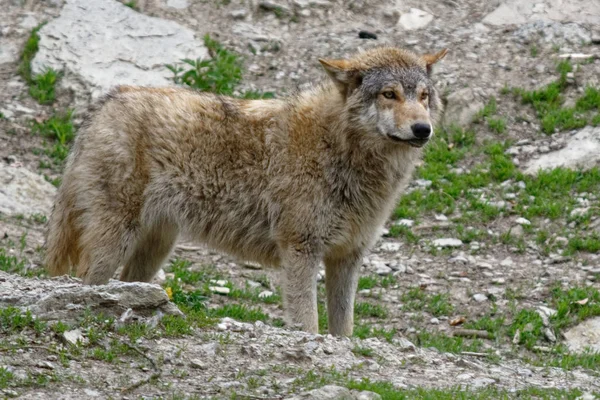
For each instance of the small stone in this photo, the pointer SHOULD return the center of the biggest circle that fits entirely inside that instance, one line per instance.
(178, 4)
(367, 35)
(549, 335)
(390, 247)
(415, 19)
(91, 392)
(74, 337)
(440, 217)
(45, 365)
(219, 289)
(434, 321)
(423, 183)
(480, 297)
(404, 222)
(507, 262)
(239, 13)
(265, 294)
(275, 7)
(383, 270)
(447, 242)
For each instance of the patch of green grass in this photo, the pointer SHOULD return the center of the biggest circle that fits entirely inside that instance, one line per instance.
(487, 111)
(29, 52)
(363, 351)
(367, 282)
(6, 377)
(418, 300)
(497, 125)
(388, 391)
(43, 86)
(220, 74)
(175, 325)
(365, 331)
(131, 4)
(10, 263)
(533, 50)
(548, 101)
(13, 320)
(447, 344)
(59, 128)
(239, 312)
(364, 309)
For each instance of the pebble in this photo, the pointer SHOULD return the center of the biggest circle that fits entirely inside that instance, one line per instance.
(404, 222)
(434, 321)
(367, 35)
(265, 294)
(480, 297)
(390, 247)
(447, 242)
(219, 289)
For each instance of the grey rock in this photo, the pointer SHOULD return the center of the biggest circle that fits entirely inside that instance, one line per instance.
(462, 107)
(240, 13)
(66, 299)
(582, 151)
(504, 15)
(99, 44)
(585, 334)
(275, 7)
(480, 297)
(74, 337)
(24, 192)
(516, 12)
(552, 32)
(178, 4)
(9, 51)
(447, 242)
(415, 19)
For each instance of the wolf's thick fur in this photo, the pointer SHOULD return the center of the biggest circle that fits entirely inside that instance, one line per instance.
(285, 183)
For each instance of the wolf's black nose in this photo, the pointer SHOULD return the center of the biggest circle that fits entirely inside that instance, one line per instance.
(422, 131)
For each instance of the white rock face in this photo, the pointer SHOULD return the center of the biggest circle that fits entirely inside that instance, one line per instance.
(100, 44)
(415, 19)
(24, 192)
(586, 334)
(520, 11)
(582, 150)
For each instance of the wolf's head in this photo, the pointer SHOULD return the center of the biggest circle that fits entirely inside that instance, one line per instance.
(389, 93)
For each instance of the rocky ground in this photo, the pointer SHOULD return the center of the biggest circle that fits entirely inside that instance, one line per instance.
(485, 283)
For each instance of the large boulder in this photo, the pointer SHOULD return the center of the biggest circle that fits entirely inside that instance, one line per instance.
(99, 44)
(511, 12)
(23, 192)
(582, 151)
(66, 299)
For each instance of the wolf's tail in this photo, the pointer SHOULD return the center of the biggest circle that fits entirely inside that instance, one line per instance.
(62, 238)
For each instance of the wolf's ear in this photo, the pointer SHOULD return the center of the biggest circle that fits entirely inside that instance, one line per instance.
(431, 59)
(342, 74)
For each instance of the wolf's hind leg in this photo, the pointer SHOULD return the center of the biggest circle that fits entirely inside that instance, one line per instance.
(105, 242)
(150, 252)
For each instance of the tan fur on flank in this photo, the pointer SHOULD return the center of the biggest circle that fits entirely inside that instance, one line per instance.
(286, 183)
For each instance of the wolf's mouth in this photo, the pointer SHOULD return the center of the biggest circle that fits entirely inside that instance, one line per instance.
(413, 142)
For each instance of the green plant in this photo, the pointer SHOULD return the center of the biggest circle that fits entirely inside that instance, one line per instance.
(59, 128)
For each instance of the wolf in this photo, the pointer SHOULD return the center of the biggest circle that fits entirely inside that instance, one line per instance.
(287, 183)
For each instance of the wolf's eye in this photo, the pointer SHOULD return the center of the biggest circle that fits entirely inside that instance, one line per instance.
(424, 96)
(388, 94)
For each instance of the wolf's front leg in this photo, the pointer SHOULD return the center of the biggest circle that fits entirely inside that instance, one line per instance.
(300, 287)
(341, 281)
